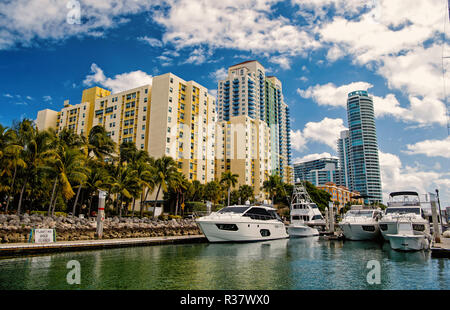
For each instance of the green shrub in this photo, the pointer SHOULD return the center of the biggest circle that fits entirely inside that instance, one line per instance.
(46, 212)
(174, 217)
(195, 206)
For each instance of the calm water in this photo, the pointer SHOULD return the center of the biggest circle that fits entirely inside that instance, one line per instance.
(281, 264)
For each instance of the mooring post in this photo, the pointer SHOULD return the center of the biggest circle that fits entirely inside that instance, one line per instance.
(437, 237)
(100, 214)
(331, 207)
(327, 220)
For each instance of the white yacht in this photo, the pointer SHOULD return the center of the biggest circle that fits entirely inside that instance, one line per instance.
(243, 223)
(305, 217)
(361, 224)
(406, 240)
(403, 206)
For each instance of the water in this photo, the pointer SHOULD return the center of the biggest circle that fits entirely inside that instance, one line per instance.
(281, 264)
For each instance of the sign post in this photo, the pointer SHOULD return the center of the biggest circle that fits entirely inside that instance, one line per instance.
(100, 213)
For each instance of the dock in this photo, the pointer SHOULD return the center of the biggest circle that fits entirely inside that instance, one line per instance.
(19, 249)
(442, 249)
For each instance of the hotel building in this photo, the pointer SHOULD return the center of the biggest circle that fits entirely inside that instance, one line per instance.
(358, 148)
(247, 91)
(171, 117)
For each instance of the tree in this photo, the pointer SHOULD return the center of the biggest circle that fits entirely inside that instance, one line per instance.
(246, 193)
(273, 186)
(124, 181)
(165, 167)
(213, 191)
(229, 180)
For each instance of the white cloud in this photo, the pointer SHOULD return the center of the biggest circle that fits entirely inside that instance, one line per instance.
(424, 112)
(395, 177)
(326, 131)
(219, 74)
(332, 95)
(297, 140)
(151, 41)
(25, 22)
(120, 82)
(313, 157)
(431, 148)
(198, 56)
(8, 95)
(244, 25)
(283, 61)
(47, 98)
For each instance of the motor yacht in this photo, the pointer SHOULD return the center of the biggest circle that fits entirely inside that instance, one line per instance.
(305, 217)
(403, 206)
(406, 239)
(241, 223)
(361, 224)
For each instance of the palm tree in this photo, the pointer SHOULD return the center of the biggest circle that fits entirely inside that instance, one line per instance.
(69, 166)
(10, 152)
(229, 180)
(99, 143)
(165, 167)
(96, 179)
(179, 184)
(124, 181)
(245, 192)
(272, 185)
(212, 191)
(34, 143)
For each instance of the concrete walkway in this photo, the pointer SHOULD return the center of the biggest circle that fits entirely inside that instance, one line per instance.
(441, 249)
(17, 249)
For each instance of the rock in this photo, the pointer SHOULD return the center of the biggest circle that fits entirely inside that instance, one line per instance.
(446, 234)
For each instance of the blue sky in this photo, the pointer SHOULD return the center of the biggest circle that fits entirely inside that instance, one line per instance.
(319, 49)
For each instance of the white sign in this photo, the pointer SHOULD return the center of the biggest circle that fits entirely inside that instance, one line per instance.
(43, 235)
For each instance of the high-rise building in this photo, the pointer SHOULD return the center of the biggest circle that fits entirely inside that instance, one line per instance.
(318, 171)
(243, 147)
(247, 91)
(170, 117)
(344, 163)
(358, 150)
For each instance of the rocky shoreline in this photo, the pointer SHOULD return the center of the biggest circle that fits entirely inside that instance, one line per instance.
(15, 228)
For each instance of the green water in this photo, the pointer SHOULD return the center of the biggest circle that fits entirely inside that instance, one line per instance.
(281, 264)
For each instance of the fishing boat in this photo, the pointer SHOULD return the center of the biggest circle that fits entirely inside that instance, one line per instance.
(243, 223)
(403, 206)
(406, 239)
(305, 217)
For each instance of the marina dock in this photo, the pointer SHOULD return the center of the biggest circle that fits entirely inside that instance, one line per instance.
(14, 249)
(442, 249)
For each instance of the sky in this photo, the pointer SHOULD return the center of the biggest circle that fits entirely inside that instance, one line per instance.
(50, 50)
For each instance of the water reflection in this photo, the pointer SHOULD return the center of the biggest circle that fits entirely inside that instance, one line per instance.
(303, 263)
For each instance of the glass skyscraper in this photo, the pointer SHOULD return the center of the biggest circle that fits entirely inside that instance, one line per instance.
(358, 149)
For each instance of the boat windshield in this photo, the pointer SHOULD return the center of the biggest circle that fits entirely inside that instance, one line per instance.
(363, 213)
(403, 210)
(237, 210)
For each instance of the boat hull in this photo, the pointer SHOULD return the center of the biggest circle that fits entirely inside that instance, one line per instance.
(244, 231)
(301, 231)
(390, 228)
(360, 232)
(407, 243)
